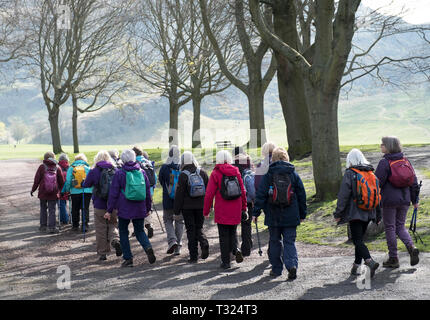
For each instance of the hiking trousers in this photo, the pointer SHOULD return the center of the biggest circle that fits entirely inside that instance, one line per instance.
(394, 224)
(64, 216)
(358, 229)
(282, 248)
(138, 232)
(246, 233)
(105, 230)
(227, 241)
(45, 219)
(77, 208)
(174, 228)
(194, 221)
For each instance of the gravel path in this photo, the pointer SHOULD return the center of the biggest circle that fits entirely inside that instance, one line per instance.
(29, 261)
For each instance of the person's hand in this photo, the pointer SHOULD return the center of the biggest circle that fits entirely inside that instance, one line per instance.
(254, 219)
(206, 217)
(31, 193)
(416, 205)
(337, 219)
(107, 216)
(245, 216)
(301, 220)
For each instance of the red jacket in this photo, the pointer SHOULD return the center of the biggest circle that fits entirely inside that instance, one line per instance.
(227, 212)
(64, 164)
(38, 178)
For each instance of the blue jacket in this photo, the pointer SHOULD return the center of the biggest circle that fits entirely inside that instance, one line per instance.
(68, 185)
(164, 179)
(281, 217)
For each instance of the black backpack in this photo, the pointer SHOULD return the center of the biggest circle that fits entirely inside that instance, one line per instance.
(150, 172)
(103, 187)
(230, 188)
(281, 192)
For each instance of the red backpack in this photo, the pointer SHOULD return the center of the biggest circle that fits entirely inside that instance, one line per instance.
(402, 173)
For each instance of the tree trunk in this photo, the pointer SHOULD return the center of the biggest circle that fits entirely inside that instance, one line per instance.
(196, 138)
(325, 144)
(256, 115)
(55, 129)
(173, 123)
(75, 125)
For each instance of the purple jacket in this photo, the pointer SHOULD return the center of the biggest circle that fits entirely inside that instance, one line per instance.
(128, 209)
(392, 196)
(93, 179)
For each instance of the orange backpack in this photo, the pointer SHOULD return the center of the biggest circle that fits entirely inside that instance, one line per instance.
(366, 192)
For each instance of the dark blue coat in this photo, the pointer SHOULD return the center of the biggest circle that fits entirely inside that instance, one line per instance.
(281, 217)
(164, 179)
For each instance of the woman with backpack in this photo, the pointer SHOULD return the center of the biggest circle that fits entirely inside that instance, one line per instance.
(49, 180)
(399, 188)
(168, 178)
(81, 197)
(282, 196)
(226, 186)
(262, 168)
(130, 195)
(189, 201)
(63, 162)
(100, 178)
(357, 208)
(243, 162)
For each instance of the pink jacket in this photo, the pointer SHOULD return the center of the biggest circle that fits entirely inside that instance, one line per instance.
(227, 212)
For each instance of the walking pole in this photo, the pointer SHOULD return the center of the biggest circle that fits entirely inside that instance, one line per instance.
(154, 209)
(413, 225)
(83, 213)
(258, 239)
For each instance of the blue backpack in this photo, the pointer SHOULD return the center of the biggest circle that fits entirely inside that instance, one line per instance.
(173, 182)
(196, 185)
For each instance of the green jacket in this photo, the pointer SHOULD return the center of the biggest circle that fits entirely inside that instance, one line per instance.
(68, 185)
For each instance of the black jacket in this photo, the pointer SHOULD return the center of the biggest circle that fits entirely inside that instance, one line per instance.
(182, 195)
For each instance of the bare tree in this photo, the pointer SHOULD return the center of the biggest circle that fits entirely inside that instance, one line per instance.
(254, 52)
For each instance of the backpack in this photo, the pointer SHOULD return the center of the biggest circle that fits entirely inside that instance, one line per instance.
(402, 173)
(230, 188)
(281, 191)
(50, 180)
(150, 172)
(366, 190)
(135, 188)
(78, 175)
(248, 174)
(196, 185)
(105, 181)
(173, 182)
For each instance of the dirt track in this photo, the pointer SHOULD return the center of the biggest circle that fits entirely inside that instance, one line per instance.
(29, 262)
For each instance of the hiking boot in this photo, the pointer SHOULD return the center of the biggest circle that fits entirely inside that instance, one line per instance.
(292, 273)
(354, 270)
(373, 265)
(103, 257)
(205, 252)
(43, 228)
(127, 263)
(192, 261)
(225, 266)
(273, 274)
(414, 252)
(53, 230)
(75, 229)
(117, 246)
(151, 256)
(172, 249)
(150, 231)
(178, 250)
(391, 263)
(239, 256)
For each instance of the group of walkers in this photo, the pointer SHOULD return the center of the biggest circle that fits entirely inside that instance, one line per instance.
(122, 190)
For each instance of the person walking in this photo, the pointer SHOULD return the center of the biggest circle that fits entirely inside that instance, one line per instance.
(226, 186)
(282, 196)
(81, 197)
(262, 167)
(359, 209)
(63, 162)
(49, 180)
(168, 178)
(189, 201)
(399, 189)
(130, 195)
(243, 162)
(114, 154)
(100, 178)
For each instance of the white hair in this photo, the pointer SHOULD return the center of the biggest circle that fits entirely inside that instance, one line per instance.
(103, 155)
(188, 158)
(82, 157)
(128, 155)
(267, 148)
(224, 156)
(356, 158)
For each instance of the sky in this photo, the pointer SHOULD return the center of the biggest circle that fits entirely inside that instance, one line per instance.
(416, 11)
